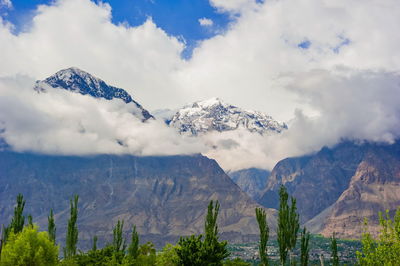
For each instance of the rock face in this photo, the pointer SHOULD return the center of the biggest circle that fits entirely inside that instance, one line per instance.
(215, 115)
(166, 197)
(76, 80)
(375, 187)
(251, 180)
(336, 188)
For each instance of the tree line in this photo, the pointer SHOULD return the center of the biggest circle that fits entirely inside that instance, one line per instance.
(23, 244)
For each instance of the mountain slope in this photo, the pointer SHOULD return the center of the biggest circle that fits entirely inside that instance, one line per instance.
(337, 187)
(216, 115)
(251, 180)
(164, 196)
(76, 80)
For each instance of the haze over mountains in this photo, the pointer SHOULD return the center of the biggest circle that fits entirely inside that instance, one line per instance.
(105, 146)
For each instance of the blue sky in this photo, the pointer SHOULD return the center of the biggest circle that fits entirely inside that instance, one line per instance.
(177, 17)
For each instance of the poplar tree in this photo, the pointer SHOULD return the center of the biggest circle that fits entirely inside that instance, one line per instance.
(264, 235)
(304, 248)
(94, 245)
(18, 220)
(51, 226)
(133, 249)
(334, 256)
(288, 225)
(118, 240)
(72, 230)
(214, 252)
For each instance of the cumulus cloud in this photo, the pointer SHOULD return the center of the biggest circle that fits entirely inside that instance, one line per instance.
(319, 68)
(63, 122)
(206, 22)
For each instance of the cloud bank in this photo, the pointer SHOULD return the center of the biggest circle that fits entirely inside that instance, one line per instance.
(331, 70)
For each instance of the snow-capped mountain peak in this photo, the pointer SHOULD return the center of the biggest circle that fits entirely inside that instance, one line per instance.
(216, 115)
(76, 80)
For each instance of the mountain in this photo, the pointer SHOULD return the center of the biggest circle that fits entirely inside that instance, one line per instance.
(76, 80)
(337, 187)
(166, 197)
(251, 180)
(216, 115)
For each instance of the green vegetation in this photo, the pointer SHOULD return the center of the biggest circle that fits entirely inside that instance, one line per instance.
(23, 244)
(305, 249)
(384, 250)
(288, 225)
(51, 227)
(29, 247)
(72, 231)
(334, 256)
(193, 251)
(261, 217)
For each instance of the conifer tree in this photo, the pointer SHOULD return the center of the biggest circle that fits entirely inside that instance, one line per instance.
(334, 256)
(288, 225)
(304, 248)
(51, 227)
(133, 249)
(72, 230)
(264, 235)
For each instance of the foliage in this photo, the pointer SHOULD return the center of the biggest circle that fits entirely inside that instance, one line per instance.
(264, 234)
(214, 252)
(72, 231)
(168, 256)
(29, 247)
(96, 257)
(133, 249)
(385, 250)
(334, 256)
(190, 251)
(304, 247)
(194, 251)
(94, 245)
(288, 224)
(51, 227)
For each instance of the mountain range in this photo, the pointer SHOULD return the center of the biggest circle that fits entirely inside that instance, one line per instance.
(166, 196)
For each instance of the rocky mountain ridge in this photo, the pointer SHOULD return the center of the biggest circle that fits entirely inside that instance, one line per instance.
(215, 115)
(76, 80)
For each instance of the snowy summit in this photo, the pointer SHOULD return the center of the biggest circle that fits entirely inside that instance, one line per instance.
(215, 115)
(76, 80)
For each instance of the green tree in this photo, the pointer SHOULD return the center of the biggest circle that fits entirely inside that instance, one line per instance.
(133, 249)
(194, 251)
(264, 235)
(51, 226)
(288, 225)
(29, 247)
(94, 245)
(18, 220)
(214, 251)
(72, 230)
(385, 250)
(168, 256)
(190, 251)
(118, 239)
(334, 256)
(304, 248)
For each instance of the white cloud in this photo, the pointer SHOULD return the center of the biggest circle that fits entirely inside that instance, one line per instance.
(344, 83)
(62, 122)
(205, 22)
